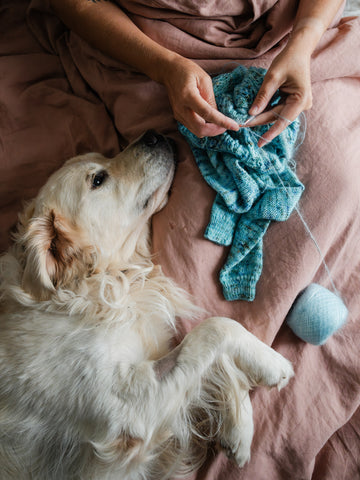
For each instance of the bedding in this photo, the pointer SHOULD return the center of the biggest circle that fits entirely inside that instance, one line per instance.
(60, 97)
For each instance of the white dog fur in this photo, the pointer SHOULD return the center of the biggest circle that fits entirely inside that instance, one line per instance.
(90, 388)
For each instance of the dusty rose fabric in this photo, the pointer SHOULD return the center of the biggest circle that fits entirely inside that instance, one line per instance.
(59, 97)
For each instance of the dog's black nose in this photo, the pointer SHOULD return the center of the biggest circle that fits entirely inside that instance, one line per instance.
(151, 138)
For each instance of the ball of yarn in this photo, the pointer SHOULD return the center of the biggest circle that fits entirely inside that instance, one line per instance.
(316, 314)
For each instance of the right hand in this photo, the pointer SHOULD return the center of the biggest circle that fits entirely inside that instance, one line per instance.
(290, 73)
(192, 99)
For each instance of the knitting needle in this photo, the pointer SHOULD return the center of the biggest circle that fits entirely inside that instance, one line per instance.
(248, 120)
(269, 106)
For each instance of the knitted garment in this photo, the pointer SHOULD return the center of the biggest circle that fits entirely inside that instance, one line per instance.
(247, 180)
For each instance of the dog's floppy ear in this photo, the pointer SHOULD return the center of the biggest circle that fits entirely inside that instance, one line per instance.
(53, 255)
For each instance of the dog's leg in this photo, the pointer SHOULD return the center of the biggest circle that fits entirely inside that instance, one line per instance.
(237, 429)
(261, 364)
(218, 357)
(173, 380)
(242, 361)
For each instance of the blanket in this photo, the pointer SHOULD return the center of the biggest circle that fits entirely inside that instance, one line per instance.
(60, 97)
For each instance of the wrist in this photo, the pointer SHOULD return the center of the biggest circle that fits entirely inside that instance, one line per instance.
(306, 34)
(162, 65)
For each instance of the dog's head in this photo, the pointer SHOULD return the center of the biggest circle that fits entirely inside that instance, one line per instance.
(93, 213)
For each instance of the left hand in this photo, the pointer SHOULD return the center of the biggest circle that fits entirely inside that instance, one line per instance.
(289, 72)
(191, 95)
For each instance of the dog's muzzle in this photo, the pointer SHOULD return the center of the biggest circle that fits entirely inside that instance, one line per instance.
(153, 139)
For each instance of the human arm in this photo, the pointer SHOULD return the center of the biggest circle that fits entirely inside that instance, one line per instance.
(290, 70)
(105, 26)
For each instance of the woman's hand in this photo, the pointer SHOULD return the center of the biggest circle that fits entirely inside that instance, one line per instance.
(191, 96)
(289, 72)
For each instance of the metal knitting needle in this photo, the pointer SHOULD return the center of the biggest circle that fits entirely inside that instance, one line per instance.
(248, 120)
(268, 107)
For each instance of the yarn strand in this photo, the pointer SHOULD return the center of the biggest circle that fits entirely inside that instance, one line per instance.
(314, 316)
(306, 226)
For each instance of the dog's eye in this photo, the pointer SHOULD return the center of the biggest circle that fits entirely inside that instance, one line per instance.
(98, 179)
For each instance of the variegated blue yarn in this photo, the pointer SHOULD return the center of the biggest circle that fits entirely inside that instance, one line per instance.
(254, 185)
(317, 314)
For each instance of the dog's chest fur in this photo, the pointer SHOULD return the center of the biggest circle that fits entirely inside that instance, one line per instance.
(47, 353)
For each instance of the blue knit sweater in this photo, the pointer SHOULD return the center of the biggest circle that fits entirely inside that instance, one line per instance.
(249, 191)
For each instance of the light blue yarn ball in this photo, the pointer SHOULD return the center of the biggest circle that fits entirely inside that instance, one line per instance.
(316, 314)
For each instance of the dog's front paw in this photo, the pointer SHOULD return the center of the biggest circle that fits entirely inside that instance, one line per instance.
(237, 450)
(237, 430)
(277, 372)
(264, 366)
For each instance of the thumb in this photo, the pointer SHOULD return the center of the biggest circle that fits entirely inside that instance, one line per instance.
(266, 92)
(206, 90)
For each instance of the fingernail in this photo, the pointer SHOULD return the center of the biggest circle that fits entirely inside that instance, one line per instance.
(253, 110)
(262, 142)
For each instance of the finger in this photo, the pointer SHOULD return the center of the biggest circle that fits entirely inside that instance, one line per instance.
(206, 90)
(267, 90)
(265, 117)
(197, 125)
(211, 114)
(286, 116)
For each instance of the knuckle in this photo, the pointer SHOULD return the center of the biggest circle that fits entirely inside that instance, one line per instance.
(299, 97)
(271, 77)
(279, 128)
(187, 95)
(191, 95)
(201, 133)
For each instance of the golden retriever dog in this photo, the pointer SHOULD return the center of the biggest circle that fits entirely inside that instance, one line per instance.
(90, 387)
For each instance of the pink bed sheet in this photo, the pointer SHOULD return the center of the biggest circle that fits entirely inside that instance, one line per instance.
(60, 97)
